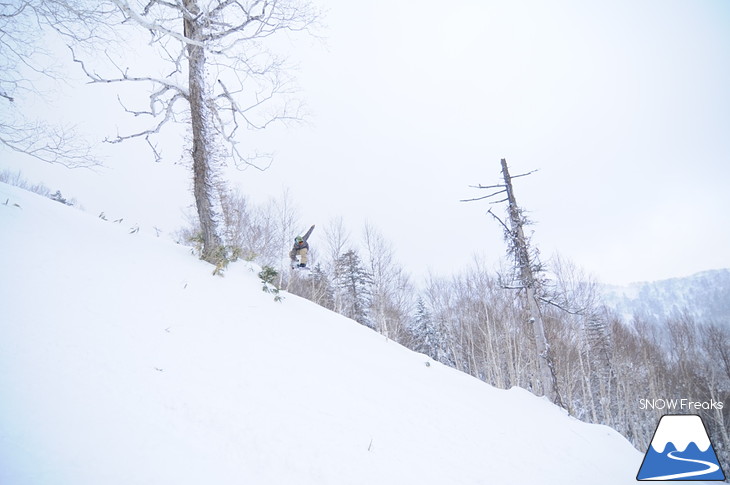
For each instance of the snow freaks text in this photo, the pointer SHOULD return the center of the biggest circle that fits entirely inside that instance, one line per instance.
(686, 405)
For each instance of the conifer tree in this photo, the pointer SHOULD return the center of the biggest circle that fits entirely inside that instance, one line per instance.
(353, 285)
(428, 338)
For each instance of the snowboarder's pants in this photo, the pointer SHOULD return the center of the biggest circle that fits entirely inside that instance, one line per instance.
(302, 253)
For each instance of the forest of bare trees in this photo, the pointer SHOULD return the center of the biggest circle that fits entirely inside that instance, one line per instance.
(617, 370)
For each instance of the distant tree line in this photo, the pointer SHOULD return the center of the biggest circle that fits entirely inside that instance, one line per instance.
(607, 368)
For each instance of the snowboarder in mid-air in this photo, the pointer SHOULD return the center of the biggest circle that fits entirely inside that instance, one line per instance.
(301, 248)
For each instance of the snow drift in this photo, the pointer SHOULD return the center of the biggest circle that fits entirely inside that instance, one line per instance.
(124, 361)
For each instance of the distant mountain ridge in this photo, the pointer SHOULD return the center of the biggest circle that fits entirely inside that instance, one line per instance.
(705, 296)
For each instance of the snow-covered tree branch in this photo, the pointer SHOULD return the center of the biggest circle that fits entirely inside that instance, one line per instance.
(24, 61)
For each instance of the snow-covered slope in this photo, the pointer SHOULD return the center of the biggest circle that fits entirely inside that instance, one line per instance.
(124, 361)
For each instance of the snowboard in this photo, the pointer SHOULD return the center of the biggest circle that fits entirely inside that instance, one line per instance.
(296, 270)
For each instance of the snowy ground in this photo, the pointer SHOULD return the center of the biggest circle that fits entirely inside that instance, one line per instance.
(124, 361)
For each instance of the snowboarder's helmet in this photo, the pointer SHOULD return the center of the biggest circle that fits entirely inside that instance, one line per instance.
(298, 239)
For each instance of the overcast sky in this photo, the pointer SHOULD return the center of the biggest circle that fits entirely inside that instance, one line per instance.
(623, 107)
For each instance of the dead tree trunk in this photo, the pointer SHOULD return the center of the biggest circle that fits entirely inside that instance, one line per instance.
(528, 282)
(527, 279)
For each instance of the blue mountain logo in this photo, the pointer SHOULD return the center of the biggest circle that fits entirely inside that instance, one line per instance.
(680, 450)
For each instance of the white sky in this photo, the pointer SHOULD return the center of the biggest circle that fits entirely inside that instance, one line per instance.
(623, 106)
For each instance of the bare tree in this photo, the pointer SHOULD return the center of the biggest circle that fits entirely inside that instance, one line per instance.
(249, 230)
(286, 213)
(221, 73)
(575, 295)
(337, 237)
(716, 350)
(24, 61)
(527, 268)
(390, 302)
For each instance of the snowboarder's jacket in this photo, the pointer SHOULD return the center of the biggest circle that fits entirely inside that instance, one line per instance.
(300, 242)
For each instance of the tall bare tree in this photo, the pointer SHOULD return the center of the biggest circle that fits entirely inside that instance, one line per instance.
(527, 269)
(221, 79)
